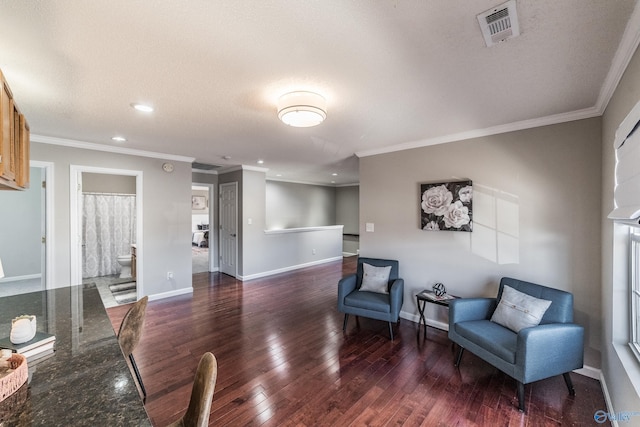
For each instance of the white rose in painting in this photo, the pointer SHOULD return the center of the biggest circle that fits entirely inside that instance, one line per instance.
(436, 200)
(457, 215)
(465, 194)
(432, 226)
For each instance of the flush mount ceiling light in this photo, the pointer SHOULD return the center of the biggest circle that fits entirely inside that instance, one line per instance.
(302, 109)
(119, 139)
(142, 107)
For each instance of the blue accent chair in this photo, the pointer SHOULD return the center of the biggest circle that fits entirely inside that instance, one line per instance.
(554, 347)
(373, 305)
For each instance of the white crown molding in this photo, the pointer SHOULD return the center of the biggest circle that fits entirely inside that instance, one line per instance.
(627, 47)
(586, 113)
(108, 148)
(319, 184)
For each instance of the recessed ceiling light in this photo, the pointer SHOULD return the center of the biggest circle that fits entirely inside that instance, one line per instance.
(142, 107)
(333, 182)
(334, 174)
(226, 157)
(278, 174)
(119, 138)
(260, 161)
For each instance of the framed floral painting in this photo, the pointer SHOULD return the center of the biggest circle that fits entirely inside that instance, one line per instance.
(446, 206)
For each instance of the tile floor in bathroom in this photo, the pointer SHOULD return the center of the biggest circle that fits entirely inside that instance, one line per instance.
(103, 283)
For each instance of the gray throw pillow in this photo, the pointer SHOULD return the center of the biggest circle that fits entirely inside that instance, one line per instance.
(375, 279)
(517, 310)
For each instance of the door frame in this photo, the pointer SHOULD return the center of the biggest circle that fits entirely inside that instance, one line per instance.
(48, 247)
(75, 229)
(220, 237)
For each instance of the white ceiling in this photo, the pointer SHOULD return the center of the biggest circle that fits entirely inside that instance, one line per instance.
(396, 73)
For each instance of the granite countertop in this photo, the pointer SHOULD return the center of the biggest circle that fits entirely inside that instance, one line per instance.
(87, 381)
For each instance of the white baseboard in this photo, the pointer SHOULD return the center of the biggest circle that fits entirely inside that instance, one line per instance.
(171, 294)
(20, 278)
(285, 269)
(590, 371)
(348, 254)
(607, 399)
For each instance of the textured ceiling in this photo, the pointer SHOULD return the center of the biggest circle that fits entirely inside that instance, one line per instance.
(393, 72)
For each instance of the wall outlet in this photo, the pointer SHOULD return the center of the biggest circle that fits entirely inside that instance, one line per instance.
(169, 275)
(313, 251)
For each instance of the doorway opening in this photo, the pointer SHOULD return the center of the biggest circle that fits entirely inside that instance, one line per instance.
(202, 232)
(26, 230)
(106, 232)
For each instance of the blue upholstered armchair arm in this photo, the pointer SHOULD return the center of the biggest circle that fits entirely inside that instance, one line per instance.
(547, 350)
(396, 296)
(465, 309)
(346, 285)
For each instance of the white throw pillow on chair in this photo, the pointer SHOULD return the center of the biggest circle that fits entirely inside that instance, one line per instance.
(375, 279)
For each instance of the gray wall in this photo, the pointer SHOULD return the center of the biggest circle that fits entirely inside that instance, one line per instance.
(20, 229)
(619, 367)
(291, 205)
(166, 214)
(537, 195)
(106, 183)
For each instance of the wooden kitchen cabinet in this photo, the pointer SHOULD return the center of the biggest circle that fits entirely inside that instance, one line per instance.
(14, 142)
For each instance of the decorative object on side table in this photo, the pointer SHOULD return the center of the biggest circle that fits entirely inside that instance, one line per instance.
(446, 206)
(432, 297)
(439, 289)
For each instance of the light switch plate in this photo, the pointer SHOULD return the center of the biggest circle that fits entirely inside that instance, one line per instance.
(369, 227)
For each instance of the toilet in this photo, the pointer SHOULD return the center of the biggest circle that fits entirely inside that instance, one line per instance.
(125, 266)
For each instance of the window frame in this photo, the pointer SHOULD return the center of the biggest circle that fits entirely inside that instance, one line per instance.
(634, 291)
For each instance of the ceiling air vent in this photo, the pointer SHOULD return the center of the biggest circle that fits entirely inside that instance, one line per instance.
(499, 23)
(204, 166)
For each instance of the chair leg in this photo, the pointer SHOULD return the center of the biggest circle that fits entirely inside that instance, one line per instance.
(520, 396)
(135, 370)
(346, 319)
(569, 383)
(459, 358)
(391, 331)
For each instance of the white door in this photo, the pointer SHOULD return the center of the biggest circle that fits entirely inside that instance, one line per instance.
(229, 228)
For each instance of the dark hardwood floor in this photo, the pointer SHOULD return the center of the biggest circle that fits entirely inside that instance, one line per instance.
(283, 359)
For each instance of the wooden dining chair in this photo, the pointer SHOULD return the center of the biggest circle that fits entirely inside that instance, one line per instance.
(130, 333)
(204, 383)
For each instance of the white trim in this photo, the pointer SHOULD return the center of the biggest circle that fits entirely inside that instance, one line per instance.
(607, 398)
(589, 371)
(75, 231)
(627, 47)
(7, 279)
(570, 116)
(304, 229)
(108, 148)
(320, 184)
(170, 294)
(234, 168)
(290, 268)
(348, 254)
(49, 221)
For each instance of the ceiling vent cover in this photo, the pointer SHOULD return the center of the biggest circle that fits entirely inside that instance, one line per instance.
(499, 23)
(204, 166)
